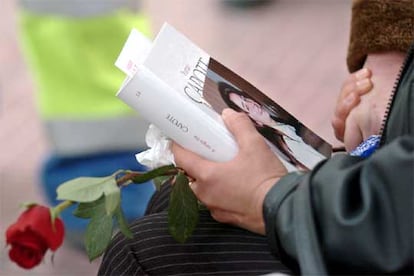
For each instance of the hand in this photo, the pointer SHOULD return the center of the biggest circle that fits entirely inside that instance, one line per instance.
(367, 117)
(234, 191)
(356, 85)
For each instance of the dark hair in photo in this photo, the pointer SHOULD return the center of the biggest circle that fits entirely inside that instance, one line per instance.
(225, 90)
(271, 134)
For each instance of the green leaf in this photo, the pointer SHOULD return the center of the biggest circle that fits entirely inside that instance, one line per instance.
(182, 210)
(112, 197)
(84, 189)
(123, 223)
(164, 170)
(89, 209)
(98, 235)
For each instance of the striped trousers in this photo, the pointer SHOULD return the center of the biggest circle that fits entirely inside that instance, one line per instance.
(213, 249)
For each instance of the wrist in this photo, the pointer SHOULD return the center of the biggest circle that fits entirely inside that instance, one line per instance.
(281, 191)
(385, 67)
(260, 194)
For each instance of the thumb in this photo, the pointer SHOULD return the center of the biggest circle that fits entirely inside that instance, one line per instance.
(240, 125)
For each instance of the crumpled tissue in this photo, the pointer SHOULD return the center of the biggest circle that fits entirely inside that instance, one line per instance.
(159, 152)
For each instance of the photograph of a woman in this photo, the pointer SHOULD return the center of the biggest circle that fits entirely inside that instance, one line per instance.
(279, 131)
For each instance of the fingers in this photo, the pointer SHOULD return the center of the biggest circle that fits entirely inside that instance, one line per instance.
(356, 85)
(240, 125)
(358, 76)
(355, 89)
(352, 135)
(188, 160)
(338, 126)
(341, 113)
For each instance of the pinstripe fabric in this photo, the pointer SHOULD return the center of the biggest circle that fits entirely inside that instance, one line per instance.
(213, 249)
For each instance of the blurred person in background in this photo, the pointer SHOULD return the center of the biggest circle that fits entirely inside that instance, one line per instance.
(71, 47)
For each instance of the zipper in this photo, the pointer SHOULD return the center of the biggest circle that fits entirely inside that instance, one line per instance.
(393, 94)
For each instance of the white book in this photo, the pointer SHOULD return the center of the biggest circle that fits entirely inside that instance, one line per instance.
(181, 89)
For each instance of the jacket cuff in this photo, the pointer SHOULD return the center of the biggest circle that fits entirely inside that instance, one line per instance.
(272, 202)
(378, 26)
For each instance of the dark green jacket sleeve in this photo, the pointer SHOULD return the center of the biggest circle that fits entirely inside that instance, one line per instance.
(350, 215)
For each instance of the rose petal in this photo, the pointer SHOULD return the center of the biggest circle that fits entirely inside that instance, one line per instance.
(37, 218)
(28, 249)
(25, 257)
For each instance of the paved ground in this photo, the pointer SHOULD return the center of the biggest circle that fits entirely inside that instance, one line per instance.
(293, 50)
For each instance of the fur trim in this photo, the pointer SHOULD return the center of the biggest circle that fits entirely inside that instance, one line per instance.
(379, 25)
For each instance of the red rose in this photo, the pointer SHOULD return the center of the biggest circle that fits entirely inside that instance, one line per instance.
(32, 235)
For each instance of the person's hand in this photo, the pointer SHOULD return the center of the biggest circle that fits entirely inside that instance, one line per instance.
(234, 191)
(356, 85)
(367, 117)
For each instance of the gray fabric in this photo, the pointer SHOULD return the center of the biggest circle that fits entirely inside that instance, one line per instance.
(74, 8)
(75, 137)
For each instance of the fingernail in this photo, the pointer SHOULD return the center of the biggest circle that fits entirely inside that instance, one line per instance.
(363, 84)
(362, 74)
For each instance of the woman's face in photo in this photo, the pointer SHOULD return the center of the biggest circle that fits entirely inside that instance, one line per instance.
(252, 108)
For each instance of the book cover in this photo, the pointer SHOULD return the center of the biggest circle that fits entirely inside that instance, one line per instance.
(181, 89)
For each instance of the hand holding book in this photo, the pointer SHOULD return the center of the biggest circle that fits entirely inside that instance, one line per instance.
(234, 191)
(182, 90)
